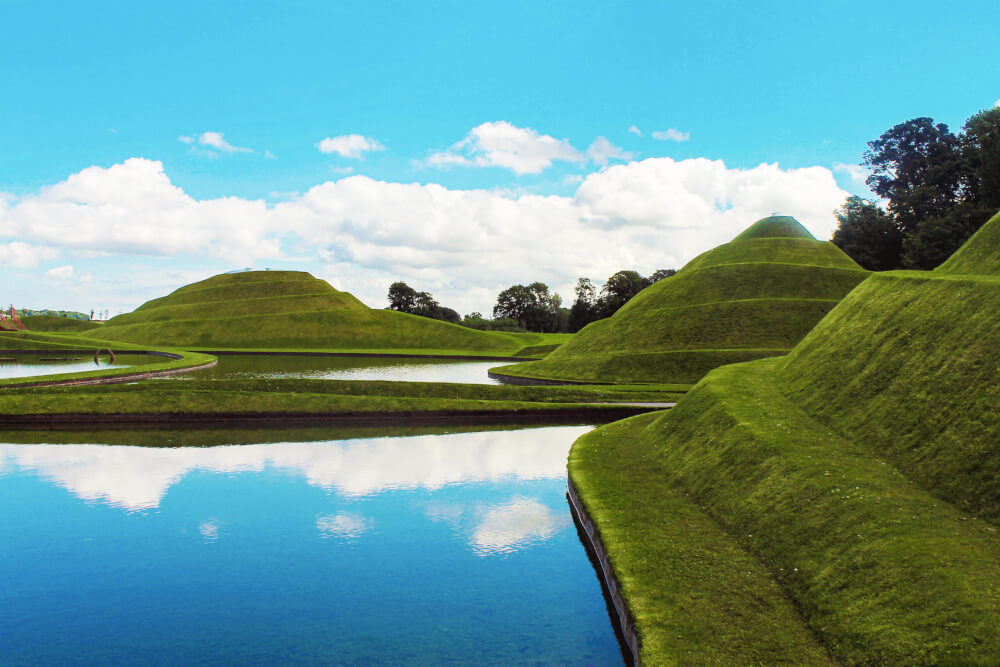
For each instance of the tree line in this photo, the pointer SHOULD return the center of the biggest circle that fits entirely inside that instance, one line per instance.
(533, 307)
(938, 188)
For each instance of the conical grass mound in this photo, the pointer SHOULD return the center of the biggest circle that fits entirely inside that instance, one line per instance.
(861, 472)
(290, 310)
(753, 297)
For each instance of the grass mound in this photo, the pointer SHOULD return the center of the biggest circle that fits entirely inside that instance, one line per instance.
(292, 310)
(755, 296)
(862, 471)
(54, 323)
(980, 255)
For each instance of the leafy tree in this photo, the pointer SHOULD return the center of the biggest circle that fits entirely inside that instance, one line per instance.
(919, 167)
(584, 310)
(660, 274)
(981, 149)
(938, 237)
(618, 289)
(402, 297)
(868, 235)
(531, 305)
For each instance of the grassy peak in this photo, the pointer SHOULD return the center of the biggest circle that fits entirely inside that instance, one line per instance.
(775, 226)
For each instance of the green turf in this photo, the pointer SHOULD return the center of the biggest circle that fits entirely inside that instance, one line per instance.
(292, 310)
(861, 470)
(53, 323)
(980, 254)
(755, 296)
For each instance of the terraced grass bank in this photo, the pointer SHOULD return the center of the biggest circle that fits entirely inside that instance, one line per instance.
(294, 310)
(754, 297)
(860, 473)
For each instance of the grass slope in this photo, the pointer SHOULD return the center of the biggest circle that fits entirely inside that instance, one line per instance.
(54, 323)
(980, 254)
(292, 309)
(755, 296)
(861, 470)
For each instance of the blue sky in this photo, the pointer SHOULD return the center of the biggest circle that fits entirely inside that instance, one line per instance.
(254, 88)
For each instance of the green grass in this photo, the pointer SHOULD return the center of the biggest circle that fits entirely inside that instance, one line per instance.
(861, 470)
(698, 596)
(54, 323)
(755, 296)
(293, 310)
(980, 254)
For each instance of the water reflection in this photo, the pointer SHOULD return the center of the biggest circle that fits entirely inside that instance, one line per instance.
(137, 478)
(30, 365)
(514, 525)
(253, 366)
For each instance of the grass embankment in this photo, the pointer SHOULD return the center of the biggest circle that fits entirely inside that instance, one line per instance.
(861, 470)
(294, 310)
(754, 297)
(53, 323)
(201, 397)
(26, 342)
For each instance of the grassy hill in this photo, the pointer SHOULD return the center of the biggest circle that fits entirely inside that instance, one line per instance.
(292, 309)
(861, 471)
(753, 297)
(57, 323)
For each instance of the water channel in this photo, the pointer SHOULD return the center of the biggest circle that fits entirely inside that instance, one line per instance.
(311, 546)
(52, 363)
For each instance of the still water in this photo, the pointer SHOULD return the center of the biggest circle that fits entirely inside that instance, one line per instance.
(435, 548)
(27, 365)
(251, 366)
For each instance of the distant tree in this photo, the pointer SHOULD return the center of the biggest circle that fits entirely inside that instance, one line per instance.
(402, 297)
(868, 235)
(618, 289)
(531, 305)
(659, 275)
(449, 315)
(938, 237)
(584, 309)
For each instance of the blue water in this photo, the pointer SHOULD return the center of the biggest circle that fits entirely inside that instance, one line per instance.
(432, 549)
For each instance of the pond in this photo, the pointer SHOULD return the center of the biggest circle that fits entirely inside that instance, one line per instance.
(254, 366)
(53, 363)
(432, 548)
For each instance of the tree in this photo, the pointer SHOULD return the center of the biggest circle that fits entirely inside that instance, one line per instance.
(402, 297)
(868, 235)
(919, 168)
(531, 305)
(618, 289)
(584, 310)
(981, 149)
(660, 274)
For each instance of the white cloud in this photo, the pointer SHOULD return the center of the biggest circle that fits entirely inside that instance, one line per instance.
(515, 525)
(671, 135)
(464, 246)
(635, 130)
(184, 139)
(501, 144)
(855, 172)
(997, 104)
(213, 140)
(345, 525)
(24, 255)
(60, 273)
(602, 150)
(269, 155)
(349, 145)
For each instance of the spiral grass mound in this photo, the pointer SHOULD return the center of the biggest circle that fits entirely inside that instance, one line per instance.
(753, 297)
(291, 310)
(861, 473)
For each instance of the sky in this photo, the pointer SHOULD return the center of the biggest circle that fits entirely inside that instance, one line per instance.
(461, 147)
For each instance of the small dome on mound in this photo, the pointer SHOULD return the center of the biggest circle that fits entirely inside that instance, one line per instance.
(776, 226)
(756, 296)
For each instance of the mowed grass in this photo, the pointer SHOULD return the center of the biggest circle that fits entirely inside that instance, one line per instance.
(755, 296)
(980, 255)
(53, 323)
(861, 470)
(699, 597)
(293, 310)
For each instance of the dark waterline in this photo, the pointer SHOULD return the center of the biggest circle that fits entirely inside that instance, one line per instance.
(251, 366)
(433, 548)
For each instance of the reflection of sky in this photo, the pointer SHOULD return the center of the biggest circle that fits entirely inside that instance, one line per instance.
(20, 369)
(411, 550)
(137, 478)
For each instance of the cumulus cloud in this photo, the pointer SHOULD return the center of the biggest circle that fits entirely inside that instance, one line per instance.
(602, 151)
(635, 130)
(501, 144)
(462, 245)
(60, 273)
(349, 145)
(997, 104)
(23, 255)
(671, 135)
